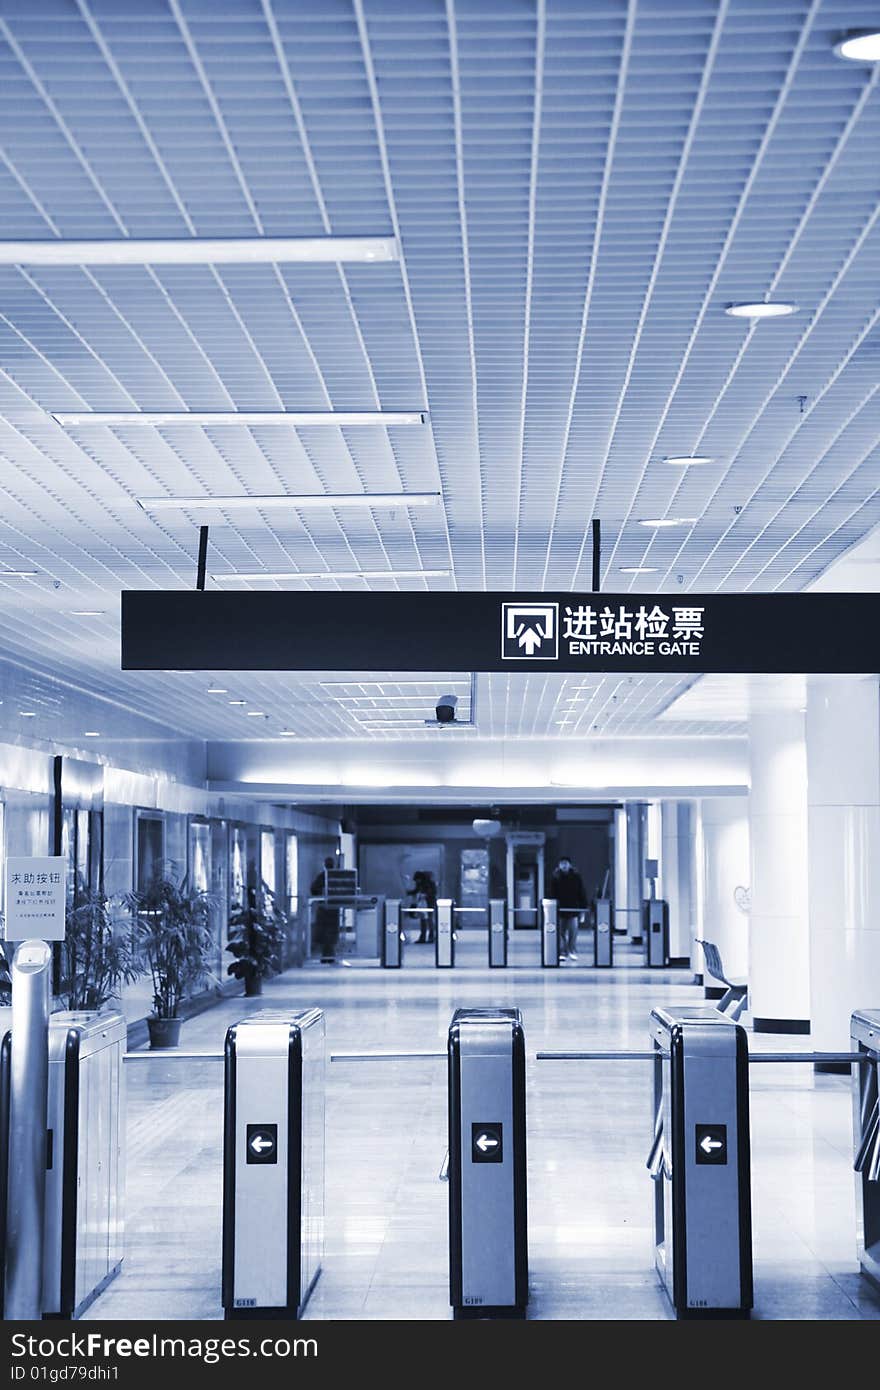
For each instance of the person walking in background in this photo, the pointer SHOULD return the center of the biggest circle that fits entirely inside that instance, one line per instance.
(567, 887)
(326, 917)
(424, 896)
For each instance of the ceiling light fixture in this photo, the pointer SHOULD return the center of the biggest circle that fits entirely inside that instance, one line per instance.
(658, 522)
(687, 460)
(256, 714)
(28, 713)
(298, 502)
(288, 733)
(238, 702)
(91, 733)
(18, 574)
(217, 690)
(756, 310)
(281, 575)
(86, 612)
(199, 251)
(303, 419)
(638, 569)
(860, 46)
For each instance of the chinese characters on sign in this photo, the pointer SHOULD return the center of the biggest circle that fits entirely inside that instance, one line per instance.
(591, 629)
(36, 897)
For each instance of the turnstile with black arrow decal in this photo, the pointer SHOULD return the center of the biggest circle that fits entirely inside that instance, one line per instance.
(700, 1162)
(273, 1163)
(488, 1250)
(865, 1032)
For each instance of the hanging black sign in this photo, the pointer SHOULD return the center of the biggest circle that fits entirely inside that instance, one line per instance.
(678, 633)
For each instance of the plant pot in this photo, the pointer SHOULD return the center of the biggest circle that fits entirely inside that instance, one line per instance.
(253, 985)
(164, 1032)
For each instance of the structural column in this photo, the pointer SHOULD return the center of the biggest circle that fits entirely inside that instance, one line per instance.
(676, 877)
(636, 839)
(724, 869)
(843, 801)
(779, 930)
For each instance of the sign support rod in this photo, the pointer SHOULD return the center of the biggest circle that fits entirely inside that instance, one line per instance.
(203, 557)
(597, 554)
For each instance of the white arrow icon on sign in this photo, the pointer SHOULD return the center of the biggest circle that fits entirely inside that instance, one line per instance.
(486, 1142)
(707, 1144)
(259, 1144)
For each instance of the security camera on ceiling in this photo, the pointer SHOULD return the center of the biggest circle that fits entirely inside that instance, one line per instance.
(445, 709)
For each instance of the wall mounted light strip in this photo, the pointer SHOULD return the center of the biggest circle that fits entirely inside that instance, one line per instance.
(302, 501)
(200, 251)
(265, 577)
(302, 419)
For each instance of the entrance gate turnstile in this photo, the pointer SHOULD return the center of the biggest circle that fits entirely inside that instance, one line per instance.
(549, 932)
(444, 936)
(865, 1031)
(655, 929)
(488, 1246)
(497, 932)
(603, 940)
(699, 1160)
(273, 1163)
(392, 936)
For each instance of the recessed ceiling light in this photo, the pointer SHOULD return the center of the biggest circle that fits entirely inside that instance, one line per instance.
(28, 713)
(756, 310)
(18, 574)
(91, 733)
(217, 690)
(861, 46)
(687, 460)
(266, 576)
(299, 502)
(288, 733)
(304, 419)
(256, 714)
(238, 702)
(86, 613)
(199, 251)
(661, 521)
(638, 569)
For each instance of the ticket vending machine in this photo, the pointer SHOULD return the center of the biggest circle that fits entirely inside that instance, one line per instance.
(549, 932)
(655, 930)
(488, 1247)
(700, 1162)
(603, 942)
(497, 932)
(273, 1163)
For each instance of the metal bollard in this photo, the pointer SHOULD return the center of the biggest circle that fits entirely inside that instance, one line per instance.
(445, 936)
(28, 1109)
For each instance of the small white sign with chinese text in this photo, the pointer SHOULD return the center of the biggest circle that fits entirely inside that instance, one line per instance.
(36, 897)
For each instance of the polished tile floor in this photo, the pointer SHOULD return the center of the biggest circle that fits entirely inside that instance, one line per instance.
(589, 1131)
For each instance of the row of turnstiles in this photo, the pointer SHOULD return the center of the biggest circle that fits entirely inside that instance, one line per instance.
(273, 1157)
(447, 917)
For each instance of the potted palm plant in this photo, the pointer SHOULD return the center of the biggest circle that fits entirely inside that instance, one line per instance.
(257, 931)
(172, 931)
(98, 955)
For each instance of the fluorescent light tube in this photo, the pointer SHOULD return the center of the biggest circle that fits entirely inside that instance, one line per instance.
(199, 251)
(247, 578)
(18, 574)
(295, 501)
(760, 310)
(303, 419)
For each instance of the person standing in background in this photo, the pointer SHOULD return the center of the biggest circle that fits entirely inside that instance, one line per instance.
(567, 887)
(326, 917)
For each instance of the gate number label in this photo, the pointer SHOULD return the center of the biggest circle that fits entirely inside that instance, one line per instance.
(487, 1143)
(711, 1144)
(262, 1143)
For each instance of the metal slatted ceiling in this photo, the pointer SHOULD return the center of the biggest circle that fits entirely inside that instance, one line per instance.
(578, 190)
